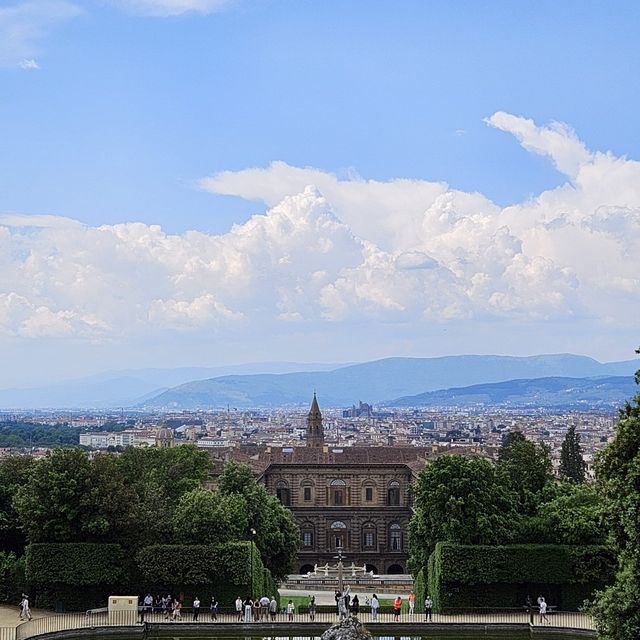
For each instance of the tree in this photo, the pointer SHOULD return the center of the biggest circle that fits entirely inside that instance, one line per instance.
(463, 500)
(14, 473)
(70, 498)
(568, 514)
(207, 517)
(572, 465)
(526, 469)
(617, 608)
(159, 478)
(277, 534)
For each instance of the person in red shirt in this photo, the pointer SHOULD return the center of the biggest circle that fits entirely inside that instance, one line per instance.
(397, 605)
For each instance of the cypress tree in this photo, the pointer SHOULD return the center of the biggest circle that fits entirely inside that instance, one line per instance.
(572, 464)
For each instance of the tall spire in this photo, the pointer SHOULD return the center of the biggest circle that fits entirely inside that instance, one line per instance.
(315, 430)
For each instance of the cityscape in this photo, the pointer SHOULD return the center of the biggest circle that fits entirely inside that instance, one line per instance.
(319, 319)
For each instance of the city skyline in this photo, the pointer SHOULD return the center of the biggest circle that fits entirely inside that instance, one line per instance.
(208, 182)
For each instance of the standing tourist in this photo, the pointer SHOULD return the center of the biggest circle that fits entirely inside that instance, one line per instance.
(214, 609)
(375, 604)
(177, 607)
(397, 607)
(543, 610)
(256, 609)
(273, 608)
(355, 605)
(196, 609)
(428, 608)
(290, 610)
(412, 603)
(248, 608)
(312, 607)
(25, 611)
(239, 606)
(264, 607)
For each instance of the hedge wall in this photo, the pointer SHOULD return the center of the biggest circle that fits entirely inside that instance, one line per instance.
(76, 576)
(203, 570)
(461, 576)
(81, 576)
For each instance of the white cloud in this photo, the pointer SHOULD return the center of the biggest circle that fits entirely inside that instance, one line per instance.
(29, 64)
(24, 25)
(404, 252)
(558, 141)
(167, 8)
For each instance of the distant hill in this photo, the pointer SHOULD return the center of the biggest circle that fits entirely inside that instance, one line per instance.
(113, 389)
(377, 381)
(555, 392)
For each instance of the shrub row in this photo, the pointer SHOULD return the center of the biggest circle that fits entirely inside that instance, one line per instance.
(462, 576)
(81, 576)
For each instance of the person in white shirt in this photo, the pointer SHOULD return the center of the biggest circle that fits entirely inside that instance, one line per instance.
(375, 605)
(543, 610)
(239, 608)
(290, 610)
(428, 608)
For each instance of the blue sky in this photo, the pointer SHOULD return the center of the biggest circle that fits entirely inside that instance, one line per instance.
(109, 115)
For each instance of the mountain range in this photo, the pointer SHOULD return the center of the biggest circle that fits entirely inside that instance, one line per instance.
(556, 392)
(292, 384)
(377, 381)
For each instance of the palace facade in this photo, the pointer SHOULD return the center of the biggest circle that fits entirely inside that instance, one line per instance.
(352, 498)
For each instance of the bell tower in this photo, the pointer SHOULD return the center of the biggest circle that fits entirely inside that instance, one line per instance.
(315, 430)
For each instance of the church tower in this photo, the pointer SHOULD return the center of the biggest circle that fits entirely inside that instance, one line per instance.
(315, 431)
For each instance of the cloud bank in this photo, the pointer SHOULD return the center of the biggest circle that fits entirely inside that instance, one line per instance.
(329, 252)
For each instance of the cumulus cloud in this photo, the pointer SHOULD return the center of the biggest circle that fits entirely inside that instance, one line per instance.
(167, 8)
(24, 25)
(330, 251)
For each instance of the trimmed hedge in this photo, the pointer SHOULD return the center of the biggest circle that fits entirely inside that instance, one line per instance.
(80, 576)
(461, 576)
(203, 570)
(75, 564)
(75, 576)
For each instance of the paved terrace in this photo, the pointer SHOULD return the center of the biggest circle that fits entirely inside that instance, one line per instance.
(480, 622)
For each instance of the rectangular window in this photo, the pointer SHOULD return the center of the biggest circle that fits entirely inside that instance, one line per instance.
(307, 538)
(368, 539)
(368, 494)
(307, 494)
(339, 497)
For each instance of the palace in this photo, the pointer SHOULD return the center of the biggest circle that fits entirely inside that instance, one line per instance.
(353, 498)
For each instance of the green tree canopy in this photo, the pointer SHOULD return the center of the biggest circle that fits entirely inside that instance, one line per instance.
(459, 499)
(71, 498)
(617, 609)
(526, 468)
(567, 514)
(208, 517)
(572, 465)
(14, 473)
(277, 534)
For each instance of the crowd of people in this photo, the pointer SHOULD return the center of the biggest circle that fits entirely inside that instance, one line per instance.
(266, 609)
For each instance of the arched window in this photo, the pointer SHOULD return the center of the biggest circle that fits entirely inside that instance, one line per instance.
(369, 536)
(282, 492)
(393, 494)
(338, 493)
(339, 534)
(395, 537)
